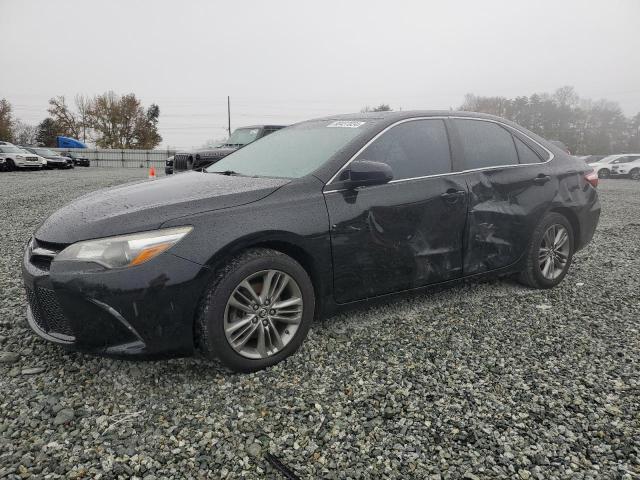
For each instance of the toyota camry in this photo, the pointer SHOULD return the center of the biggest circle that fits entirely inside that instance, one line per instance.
(237, 260)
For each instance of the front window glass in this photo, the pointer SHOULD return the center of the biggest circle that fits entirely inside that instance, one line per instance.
(242, 136)
(412, 149)
(486, 144)
(291, 152)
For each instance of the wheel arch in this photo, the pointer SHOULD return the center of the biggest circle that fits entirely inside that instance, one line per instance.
(284, 242)
(575, 224)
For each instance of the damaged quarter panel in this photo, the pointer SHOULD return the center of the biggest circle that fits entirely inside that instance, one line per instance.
(510, 189)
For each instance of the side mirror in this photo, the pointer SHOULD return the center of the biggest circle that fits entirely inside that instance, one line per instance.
(362, 173)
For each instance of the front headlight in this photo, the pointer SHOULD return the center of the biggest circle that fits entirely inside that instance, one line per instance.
(125, 250)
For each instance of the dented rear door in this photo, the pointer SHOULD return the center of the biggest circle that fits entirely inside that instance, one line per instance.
(510, 189)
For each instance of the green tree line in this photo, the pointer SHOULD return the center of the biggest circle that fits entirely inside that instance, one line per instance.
(587, 127)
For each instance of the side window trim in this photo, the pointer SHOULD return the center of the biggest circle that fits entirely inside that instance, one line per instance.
(530, 144)
(453, 148)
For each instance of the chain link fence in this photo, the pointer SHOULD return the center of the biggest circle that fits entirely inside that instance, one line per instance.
(126, 158)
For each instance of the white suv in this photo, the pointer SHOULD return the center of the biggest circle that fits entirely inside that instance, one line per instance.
(12, 158)
(630, 167)
(604, 167)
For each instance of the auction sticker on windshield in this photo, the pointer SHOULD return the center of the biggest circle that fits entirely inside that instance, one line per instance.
(345, 124)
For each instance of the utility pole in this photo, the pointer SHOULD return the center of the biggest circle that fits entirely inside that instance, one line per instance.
(229, 115)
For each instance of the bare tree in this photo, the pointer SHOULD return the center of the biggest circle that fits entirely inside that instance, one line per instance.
(83, 105)
(67, 121)
(122, 122)
(24, 134)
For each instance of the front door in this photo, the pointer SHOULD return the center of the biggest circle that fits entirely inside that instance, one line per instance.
(404, 234)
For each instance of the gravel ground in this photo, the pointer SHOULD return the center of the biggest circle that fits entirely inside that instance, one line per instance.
(488, 380)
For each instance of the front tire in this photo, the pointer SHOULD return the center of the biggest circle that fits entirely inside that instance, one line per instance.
(604, 173)
(635, 174)
(549, 252)
(257, 311)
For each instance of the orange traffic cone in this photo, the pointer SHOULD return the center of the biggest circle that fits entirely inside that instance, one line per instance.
(152, 173)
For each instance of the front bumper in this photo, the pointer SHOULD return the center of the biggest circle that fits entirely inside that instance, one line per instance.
(57, 163)
(28, 164)
(145, 311)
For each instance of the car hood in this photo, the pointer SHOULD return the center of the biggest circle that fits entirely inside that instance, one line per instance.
(146, 205)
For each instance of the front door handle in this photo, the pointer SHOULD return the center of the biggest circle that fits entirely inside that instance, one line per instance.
(452, 195)
(542, 179)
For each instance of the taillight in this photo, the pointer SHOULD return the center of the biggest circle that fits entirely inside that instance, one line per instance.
(592, 178)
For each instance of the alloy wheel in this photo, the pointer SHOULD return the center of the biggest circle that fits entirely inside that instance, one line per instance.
(553, 255)
(604, 173)
(635, 175)
(263, 314)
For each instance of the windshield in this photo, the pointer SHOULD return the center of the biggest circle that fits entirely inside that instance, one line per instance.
(11, 149)
(291, 152)
(45, 152)
(242, 136)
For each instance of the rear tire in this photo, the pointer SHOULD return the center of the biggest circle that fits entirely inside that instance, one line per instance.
(228, 309)
(604, 173)
(549, 252)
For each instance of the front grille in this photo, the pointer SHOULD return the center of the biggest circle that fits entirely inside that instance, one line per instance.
(47, 312)
(182, 161)
(42, 253)
(32, 159)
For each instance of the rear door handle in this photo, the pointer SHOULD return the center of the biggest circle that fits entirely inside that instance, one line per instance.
(452, 195)
(542, 179)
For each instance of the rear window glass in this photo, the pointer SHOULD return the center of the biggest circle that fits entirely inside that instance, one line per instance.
(525, 154)
(485, 144)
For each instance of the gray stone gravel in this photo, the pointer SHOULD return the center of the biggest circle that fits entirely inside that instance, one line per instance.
(487, 380)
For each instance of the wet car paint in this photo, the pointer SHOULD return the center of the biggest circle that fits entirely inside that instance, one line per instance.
(355, 244)
(143, 205)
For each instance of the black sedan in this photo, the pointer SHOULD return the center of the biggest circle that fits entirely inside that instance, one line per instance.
(239, 259)
(77, 159)
(54, 159)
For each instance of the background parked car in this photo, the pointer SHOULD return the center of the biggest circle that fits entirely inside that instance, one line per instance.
(630, 167)
(77, 159)
(604, 167)
(168, 165)
(14, 158)
(593, 158)
(240, 137)
(54, 159)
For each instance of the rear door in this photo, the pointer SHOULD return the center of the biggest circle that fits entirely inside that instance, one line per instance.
(406, 233)
(510, 187)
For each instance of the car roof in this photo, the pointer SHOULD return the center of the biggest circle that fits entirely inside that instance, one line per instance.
(394, 116)
(263, 126)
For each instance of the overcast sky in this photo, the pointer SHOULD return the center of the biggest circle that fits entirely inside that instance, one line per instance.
(285, 61)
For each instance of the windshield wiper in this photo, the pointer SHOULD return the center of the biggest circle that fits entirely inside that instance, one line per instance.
(227, 172)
